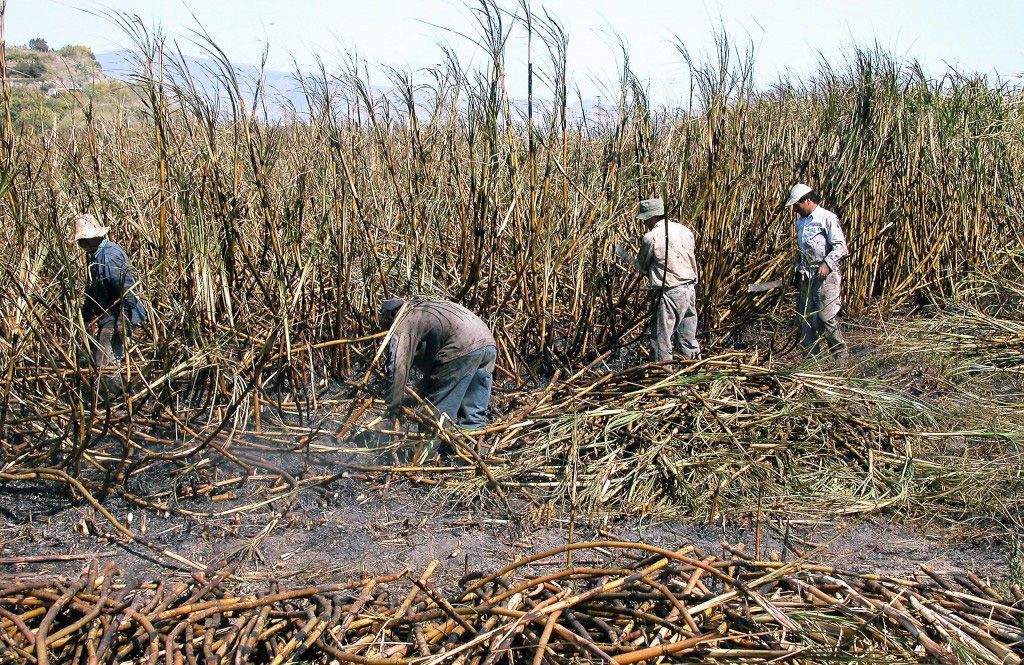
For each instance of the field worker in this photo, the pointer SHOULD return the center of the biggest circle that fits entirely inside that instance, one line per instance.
(667, 259)
(111, 300)
(821, 246)
(453, 349)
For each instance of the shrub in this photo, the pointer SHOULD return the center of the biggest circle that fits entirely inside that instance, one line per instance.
(25, 64)
(79, 53)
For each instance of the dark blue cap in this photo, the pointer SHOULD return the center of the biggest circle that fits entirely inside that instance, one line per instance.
(391, 305)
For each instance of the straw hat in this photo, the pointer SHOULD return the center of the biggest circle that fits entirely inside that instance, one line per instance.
(86, 227)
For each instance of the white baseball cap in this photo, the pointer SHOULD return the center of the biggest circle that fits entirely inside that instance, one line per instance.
(799, 191)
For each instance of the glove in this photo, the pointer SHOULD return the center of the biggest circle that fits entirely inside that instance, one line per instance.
(626, 258)
(394, 413)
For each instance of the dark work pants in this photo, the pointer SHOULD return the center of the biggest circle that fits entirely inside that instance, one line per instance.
(108, 356)
(107, 347)
(461, 388)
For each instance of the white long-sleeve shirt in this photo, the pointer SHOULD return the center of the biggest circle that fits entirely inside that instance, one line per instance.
(667, 255)
(820, 240)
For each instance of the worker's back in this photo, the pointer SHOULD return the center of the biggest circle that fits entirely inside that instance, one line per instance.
(667, 255)
(440, 331)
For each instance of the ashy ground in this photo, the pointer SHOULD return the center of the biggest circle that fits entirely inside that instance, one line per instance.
(344, 522)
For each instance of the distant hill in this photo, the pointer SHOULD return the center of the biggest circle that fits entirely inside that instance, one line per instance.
(284, 91)
(53, 84)
(53, 71)
(54, 88)
(282, 87)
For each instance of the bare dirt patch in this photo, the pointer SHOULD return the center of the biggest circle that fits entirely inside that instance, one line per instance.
(377, 525)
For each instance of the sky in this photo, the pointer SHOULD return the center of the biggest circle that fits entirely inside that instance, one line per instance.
(788, 35)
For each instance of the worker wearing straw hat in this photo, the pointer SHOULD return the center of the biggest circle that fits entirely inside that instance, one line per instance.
(667, 257)
(821, 246)
(111, 299)
(452, 348)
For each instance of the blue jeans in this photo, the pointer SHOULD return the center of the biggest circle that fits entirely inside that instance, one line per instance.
(461, 388)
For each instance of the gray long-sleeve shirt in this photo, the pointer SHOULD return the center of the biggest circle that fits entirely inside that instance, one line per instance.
(819, 240)
(429, 334)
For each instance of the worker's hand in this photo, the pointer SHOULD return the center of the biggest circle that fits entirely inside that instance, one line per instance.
(394, 416)
(823, 270)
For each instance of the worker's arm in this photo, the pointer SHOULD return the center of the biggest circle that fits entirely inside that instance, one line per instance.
(400, 357)
(837, 241)
(625, 257)
(96, 293)
(122, 279)
(91, 309)
(645, 256)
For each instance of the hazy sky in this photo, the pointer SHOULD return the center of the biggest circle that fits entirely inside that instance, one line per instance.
(983, 35)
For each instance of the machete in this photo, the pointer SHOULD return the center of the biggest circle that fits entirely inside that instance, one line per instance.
(765, 286)
(623, 255)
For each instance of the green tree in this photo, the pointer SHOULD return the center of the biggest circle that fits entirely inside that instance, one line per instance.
(25, 64)
(38, 44)
(31, 108)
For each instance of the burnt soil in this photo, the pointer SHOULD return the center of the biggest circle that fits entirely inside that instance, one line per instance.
(366, 523)
(372, 524)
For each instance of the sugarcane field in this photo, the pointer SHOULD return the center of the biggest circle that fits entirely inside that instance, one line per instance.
(481, 354)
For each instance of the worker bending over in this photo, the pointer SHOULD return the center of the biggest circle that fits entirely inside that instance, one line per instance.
(821, 246)
(667, 257)
(453, 349)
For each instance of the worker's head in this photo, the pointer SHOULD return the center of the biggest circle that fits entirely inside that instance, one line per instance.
(651, 212)
(389, 310)
(90, 244)
(88, 232)
(803, 200)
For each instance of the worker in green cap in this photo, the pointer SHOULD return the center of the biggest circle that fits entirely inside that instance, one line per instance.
(667, 257)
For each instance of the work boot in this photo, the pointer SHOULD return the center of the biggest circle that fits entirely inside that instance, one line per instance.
(110, 386)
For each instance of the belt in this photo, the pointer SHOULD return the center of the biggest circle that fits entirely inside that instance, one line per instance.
(666, 289)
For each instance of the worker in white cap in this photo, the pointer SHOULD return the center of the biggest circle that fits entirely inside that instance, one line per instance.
(111, 299)
(821, 246)
(667, 258)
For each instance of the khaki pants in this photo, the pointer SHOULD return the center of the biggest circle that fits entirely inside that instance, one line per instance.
(818, 304)
(675, 320)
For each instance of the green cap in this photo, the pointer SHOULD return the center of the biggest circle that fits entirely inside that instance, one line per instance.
(651, 208)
